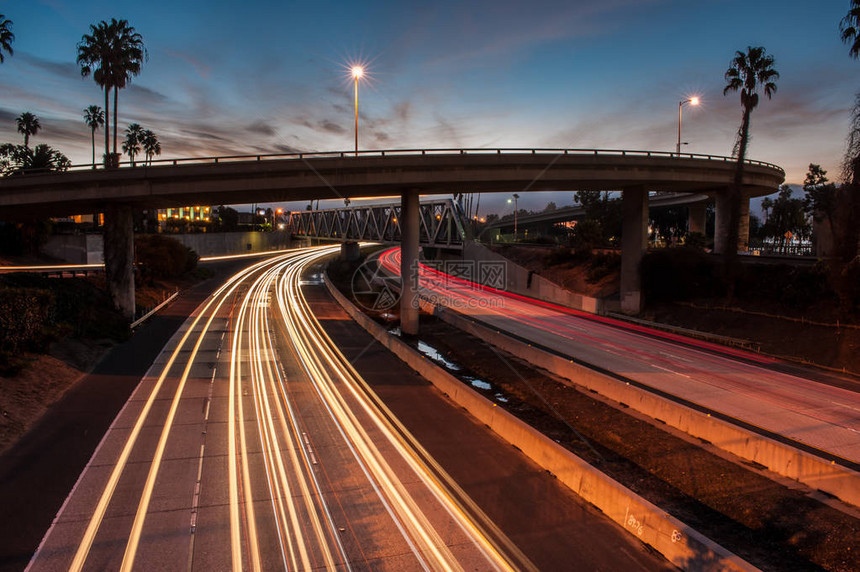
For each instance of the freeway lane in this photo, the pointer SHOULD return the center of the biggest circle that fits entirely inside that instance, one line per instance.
(820, 415)
(252, 443)
(214, 462)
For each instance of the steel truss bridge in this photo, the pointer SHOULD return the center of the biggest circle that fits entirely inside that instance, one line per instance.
(440, 223)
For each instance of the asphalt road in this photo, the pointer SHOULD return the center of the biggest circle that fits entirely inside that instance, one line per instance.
(738, 384)
(38, 472)
(253, 443)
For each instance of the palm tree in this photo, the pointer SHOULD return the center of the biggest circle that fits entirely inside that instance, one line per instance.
(748, 73)
(93, 117)
(28, 124)
(151, 145)
(129, 56)
(113, 52)
(849, 28)
(133, 139)
(94, 57)
(6, 37)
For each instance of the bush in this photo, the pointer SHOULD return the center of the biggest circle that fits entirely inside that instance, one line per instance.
(34, 310)
(680, 274)
(587, 234)
(603, 264)
(24, 313)
(159, 256)
(791, 286)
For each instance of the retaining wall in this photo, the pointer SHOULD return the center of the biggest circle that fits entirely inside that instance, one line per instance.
(683, 546)
(778, 457)
(88, 248)
(518, 281)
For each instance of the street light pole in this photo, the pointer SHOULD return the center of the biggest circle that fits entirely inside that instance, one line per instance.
(516, 234)
(357, 72)
(691, 101)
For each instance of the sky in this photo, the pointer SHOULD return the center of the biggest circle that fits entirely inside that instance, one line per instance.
(272, 76)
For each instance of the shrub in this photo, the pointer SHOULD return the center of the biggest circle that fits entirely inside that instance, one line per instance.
(24, 313)
(603, 264)
(159, 256)
(680, 274)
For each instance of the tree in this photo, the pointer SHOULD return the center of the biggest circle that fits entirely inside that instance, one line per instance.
(550, 207)
(846, 233)
(226, 219)
(600, 207)
(113, 53)
(93, 117)
(748, 73)
(151, 145)
(28, 124)
(6, 37)
(17, 159)
(766, 205)
(849, 28)
(788, 215)
(133, 138)
(820, 201)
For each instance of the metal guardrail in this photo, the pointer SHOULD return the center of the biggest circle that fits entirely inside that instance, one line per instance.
(420, 152)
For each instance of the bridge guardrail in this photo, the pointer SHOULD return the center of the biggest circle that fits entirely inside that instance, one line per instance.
(423, 152)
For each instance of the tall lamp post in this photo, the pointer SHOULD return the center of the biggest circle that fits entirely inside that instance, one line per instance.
(357, 72)
(681, 104)
(516, 196)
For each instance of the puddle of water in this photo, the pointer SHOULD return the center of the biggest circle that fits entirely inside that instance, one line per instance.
(434, 354)
(477, 383)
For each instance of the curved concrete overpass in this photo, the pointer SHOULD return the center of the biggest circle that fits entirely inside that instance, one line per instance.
(237, 180)
(408, 173)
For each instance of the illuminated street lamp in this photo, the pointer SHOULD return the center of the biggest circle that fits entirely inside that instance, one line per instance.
(516, 196)
(691, 101)
(357, 72)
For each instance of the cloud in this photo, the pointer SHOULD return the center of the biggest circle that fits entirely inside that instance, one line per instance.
(261, 128)
(62, 70)
(203, 70)
(332, 127)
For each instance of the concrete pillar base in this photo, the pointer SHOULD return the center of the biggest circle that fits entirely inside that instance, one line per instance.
(119, 258)
(409, 233)
(634, 241)
(350, 251)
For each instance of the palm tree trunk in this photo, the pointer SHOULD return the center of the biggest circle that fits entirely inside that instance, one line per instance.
(115, 97)
(107, 124)
(94, 147)
(730, 254)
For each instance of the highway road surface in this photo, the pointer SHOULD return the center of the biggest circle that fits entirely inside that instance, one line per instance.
(253, 444)
(739, 384)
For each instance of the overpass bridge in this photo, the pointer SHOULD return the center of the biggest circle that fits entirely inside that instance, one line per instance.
(405, 173)
(565, 214)
(440, 223)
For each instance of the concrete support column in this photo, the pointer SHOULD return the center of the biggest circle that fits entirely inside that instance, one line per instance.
(744, 224)
(634, 241)
(119, 258)
(409, 234)
(721, 223)
(696, 217)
